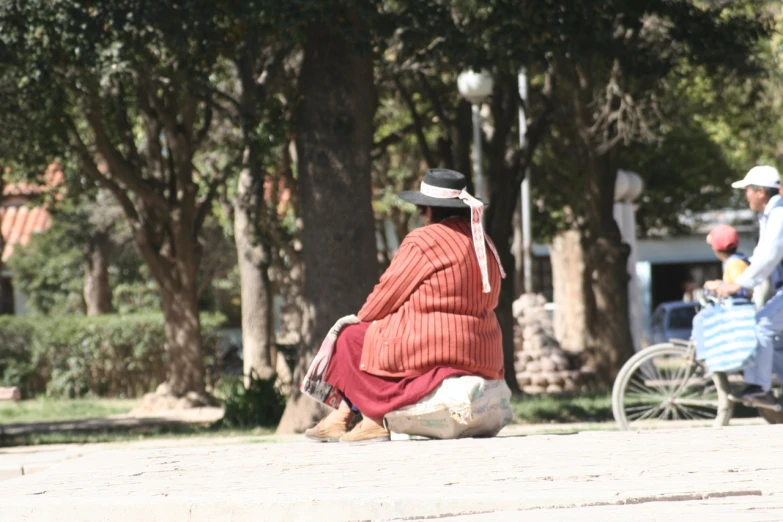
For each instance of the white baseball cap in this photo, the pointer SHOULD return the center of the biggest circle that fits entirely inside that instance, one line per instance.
(761, 176)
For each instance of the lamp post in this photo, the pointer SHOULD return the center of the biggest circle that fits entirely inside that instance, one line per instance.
(527, 239)
(476, 87)
(627, 187)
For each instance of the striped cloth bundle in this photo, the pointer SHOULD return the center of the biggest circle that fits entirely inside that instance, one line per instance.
(725, 336)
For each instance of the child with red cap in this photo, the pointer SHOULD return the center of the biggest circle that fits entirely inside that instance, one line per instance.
(724, 241)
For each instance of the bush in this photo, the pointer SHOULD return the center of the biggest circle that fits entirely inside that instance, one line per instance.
(16, 366)
(105, 356)
(261, 404)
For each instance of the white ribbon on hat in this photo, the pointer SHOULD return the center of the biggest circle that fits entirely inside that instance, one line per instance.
(476, 212)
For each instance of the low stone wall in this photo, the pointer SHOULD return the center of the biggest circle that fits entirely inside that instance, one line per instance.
(541, 365)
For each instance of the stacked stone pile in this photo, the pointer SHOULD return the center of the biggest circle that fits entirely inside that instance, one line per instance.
(540, 364)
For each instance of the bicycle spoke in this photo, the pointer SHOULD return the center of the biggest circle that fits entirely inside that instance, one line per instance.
(668, 385)
(642, 389)
(681, 376)
(675, 411)
(642, 407)
(695, 413)
(664, 380)
(650, 413)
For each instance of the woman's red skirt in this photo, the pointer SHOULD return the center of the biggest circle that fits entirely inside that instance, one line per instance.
(372, 395)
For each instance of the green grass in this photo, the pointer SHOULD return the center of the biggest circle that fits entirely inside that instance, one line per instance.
(45, 410)
(595, 407)
(52, 410)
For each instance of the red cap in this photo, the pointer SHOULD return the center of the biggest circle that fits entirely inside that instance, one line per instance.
(723, 237)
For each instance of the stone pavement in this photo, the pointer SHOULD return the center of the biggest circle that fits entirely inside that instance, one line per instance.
(733, 473)
(18, 461)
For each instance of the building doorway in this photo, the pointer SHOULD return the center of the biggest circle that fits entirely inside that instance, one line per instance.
(672, 281)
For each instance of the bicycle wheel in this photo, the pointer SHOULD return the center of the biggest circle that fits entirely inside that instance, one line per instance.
(664, 382)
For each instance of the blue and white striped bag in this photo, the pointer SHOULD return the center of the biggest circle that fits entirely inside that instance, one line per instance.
(725, 336)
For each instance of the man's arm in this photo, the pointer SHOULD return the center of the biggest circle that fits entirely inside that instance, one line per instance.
(408, 268)
(768, 254)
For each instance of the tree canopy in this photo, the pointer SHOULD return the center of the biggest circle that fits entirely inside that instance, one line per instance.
(161, 104)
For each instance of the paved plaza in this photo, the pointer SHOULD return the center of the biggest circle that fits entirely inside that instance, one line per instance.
(733, 473)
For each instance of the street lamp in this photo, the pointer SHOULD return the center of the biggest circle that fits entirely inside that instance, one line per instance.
(524, 214)
(627, 187)
(476, 87)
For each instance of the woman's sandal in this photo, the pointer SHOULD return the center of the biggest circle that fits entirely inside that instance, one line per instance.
(366, 432)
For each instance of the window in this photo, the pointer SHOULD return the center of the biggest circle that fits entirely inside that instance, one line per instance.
(7, 297)
(681, 317)
(542, 276)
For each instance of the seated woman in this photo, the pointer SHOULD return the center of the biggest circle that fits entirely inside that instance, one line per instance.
(430, 317)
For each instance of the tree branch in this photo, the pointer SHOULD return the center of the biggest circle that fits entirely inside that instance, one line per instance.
(202, 133)
(124, 126)
(394, 137)
(434, 99)
(418, 124)
(172, 176)
(271, 72)
(139, 224)
(205, 204)
(151, 254)
(189, 112)
(118, 165)
(233, 102)
(152, 131)
(177, 140)
(87, 162)
(537, 128)
(180, 139)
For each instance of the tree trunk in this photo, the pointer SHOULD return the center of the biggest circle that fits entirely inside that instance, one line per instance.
(97, 292)
(568, 284)
(506, 320)
(174, 263)
(504, 191)
(253, 251)
(500, 229)
(253, 259)
(461, 136)
(334, 126)
(609, 341)
(150, 171)
(606, 339)
(183, 341)
(590, 280)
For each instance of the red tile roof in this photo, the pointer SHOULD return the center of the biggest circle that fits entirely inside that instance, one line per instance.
(19, 223)
(53, 177)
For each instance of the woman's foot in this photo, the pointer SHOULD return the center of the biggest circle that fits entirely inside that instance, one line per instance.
(368, 430)
(333, 426)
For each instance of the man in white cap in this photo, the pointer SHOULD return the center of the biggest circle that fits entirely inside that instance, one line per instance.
(762, 186)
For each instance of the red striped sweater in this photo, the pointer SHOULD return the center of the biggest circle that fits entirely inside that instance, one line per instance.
(428, 308)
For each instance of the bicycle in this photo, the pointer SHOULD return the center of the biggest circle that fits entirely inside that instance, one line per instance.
(666, 382)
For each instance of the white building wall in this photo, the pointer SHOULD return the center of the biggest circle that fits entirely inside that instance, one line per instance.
(649, 252)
